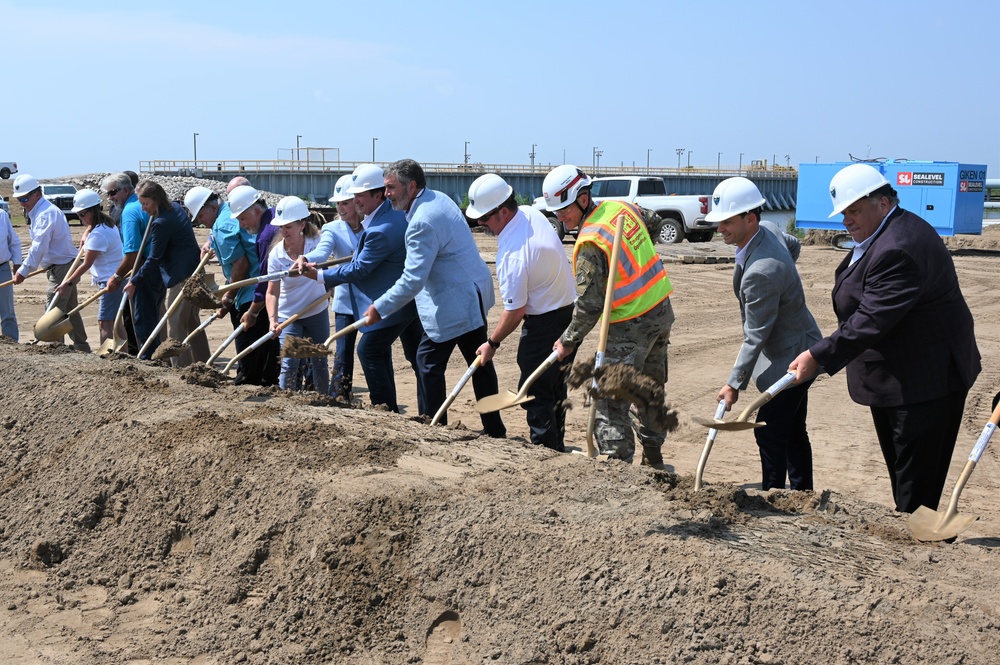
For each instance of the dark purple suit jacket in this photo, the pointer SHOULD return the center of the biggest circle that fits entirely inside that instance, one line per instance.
(905, 332)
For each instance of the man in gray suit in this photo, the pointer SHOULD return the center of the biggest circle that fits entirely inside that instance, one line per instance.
(777, 326)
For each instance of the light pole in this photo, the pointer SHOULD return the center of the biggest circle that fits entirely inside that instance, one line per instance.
(467, 153)
(648, 150)
(718, 164)
(788, 161)
(373, 149)
(689, 158)
(817, 159)
(196, 149)
(532, 156)
(680, 152)
(298, 155)
(597, 158)
(741, 162)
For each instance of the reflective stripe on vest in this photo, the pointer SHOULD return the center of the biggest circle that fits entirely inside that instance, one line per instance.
(642, 282)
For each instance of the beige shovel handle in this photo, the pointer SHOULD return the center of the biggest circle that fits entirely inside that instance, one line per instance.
(222, 347)
(86, 302)
(204, 324)
(173, 307)
(277, 331)
(602, 341)
(274, 276)
(977, 452)
(354, 327)
(458, 388)
(9, 282)
(72, 267)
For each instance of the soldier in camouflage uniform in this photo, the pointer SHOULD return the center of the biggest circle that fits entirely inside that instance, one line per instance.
(641, 315)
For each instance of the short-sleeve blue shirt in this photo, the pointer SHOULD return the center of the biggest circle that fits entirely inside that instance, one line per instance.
(232, 243)
(133, 225)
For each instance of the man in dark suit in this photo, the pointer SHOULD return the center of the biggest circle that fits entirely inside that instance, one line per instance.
(777, 326)
(376, 265)
(905, 335)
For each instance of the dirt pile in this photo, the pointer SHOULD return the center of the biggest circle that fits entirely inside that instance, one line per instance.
(152, 513)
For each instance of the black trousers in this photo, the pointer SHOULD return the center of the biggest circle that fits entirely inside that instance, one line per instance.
(261, 366)
(784, 442)
(432, 361)
(546, 413)
(917, 442)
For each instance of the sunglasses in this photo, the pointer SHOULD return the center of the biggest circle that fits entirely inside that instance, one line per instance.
(24, 199)
(112, 192)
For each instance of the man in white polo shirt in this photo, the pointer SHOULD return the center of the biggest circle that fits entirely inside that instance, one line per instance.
(536, 286)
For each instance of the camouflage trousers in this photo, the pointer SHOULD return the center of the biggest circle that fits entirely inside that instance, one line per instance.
(640, 343)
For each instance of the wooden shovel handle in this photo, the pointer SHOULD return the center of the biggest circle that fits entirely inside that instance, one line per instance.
(458, 388)
(602, 340)
(9, 282)
(250, 281)
(766, 396)
(274, 333)
(354, 327)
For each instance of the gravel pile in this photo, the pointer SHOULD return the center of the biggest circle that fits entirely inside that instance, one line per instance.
(175, 186)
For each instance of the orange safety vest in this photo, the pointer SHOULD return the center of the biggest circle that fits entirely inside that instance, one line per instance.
(642, 281)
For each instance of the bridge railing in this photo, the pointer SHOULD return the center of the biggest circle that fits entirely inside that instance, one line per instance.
(189, 167)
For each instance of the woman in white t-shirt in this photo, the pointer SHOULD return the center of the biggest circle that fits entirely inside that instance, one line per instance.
(294, 295)
(102, 244)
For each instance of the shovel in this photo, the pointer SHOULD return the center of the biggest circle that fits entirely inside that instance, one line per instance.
(275, 276)
(719, 412)
(30, 274)
(929, 525)
(222, 347)
(354, 327)
(72, 267)
(117, 343)
(742, 421)
(274, 333)
(602, 342)
(492, 403)
(173, 308)
(55, 324)
(185, 344)
(458, 388)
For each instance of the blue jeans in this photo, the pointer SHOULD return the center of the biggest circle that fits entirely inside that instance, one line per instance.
(8, 321)
(315, 328)
(343, 360)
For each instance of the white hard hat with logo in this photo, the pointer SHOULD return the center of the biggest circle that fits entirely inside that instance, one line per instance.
(242, 198)
(734, 196)
(340, 189)
(195, 199)
(852, 183)
(366, 178)
(487, 193)
(85, 198)
(289, 209)
(562, 185)
(24, 184)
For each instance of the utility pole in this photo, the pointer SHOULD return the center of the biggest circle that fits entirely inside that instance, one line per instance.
(467, 153)
(788, 161)
(532, 156)
(648, 150)
(298, 155)
(196, 149)
(373, 149)
(680, 153)
(597, 158)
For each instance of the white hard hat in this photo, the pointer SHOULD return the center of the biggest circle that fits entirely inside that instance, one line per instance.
(24, 184)
(853, 182)
(340, 189)
(487, 193)
(242, 198)
(734, 196)
(366, 178)
(195, 199)
(85, 198)
(562, 185)
(289, 209)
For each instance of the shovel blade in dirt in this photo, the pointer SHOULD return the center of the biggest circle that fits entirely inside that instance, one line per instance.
(52, 326)
(492, 403)
(931, 525)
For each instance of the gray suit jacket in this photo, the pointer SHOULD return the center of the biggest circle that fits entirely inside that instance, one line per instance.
(777, 325)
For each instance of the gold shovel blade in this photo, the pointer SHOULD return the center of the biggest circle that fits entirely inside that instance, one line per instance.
(932, 525)
(53, 326)
(492, 403)
(726, 426)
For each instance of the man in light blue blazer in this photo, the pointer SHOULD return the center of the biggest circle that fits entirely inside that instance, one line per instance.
(777, 326)
(449, 282)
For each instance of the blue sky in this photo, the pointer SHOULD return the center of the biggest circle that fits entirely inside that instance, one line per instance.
(102, 86)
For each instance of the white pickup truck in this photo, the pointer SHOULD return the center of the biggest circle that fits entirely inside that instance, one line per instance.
(683, 216)
(7, 169)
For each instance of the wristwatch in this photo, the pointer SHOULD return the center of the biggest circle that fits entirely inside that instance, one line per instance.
(493, 345)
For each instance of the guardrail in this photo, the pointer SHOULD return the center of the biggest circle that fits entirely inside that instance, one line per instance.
(202, 166)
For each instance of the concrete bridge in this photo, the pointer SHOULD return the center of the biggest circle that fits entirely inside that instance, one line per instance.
(314, 179)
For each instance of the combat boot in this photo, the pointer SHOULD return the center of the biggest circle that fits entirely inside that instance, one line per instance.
(652, 456)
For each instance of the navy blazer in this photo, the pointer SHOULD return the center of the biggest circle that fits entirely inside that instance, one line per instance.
(905, 332)
(377, 264)
(173, 250)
